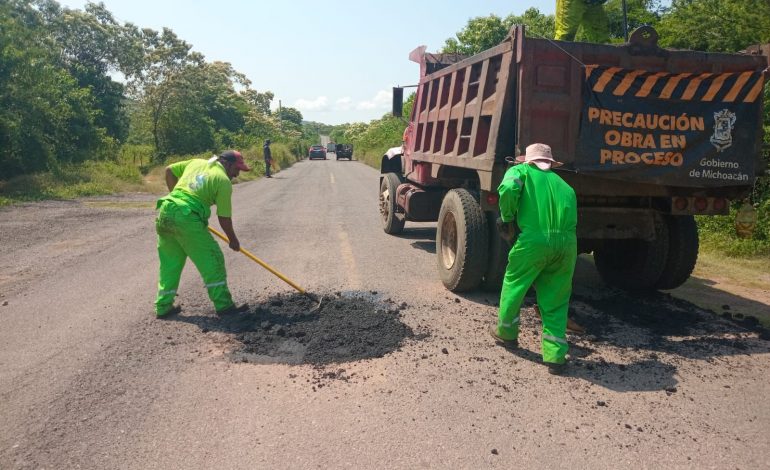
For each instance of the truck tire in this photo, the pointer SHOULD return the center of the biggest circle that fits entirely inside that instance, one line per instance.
(498, 257)
(682, 251)
(462, 240)
(388, 207)
(634, 265)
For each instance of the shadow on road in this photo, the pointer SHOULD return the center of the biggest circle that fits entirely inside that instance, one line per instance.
(424, 238)
(637, 342)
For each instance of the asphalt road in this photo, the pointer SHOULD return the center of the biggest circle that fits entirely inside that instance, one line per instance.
(89, 379)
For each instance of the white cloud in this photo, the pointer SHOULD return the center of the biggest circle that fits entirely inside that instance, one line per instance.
(344, 104)
(318, 104)
(382, 100)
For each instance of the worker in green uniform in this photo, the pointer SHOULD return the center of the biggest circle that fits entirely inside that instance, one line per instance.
(571, 14)
(182, 226)
(545, 208)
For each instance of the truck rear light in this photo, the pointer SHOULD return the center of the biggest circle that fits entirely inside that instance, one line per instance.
(492, 199)
(701, 204)
(719, 204)
(680, 203)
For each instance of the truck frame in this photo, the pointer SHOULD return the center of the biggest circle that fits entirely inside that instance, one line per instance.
(470, 115)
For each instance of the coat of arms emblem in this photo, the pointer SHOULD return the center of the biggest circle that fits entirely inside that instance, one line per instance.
(723, 130)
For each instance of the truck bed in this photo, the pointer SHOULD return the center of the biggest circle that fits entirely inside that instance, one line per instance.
(473, 114)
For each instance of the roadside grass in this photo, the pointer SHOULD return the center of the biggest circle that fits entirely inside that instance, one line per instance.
(748, 272)
(370, 156)
(717, 235)
(129, 173)
(72, 181)
(282, 159)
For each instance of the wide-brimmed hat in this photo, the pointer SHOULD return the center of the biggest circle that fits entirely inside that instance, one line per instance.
(540, 155)
(235, 156)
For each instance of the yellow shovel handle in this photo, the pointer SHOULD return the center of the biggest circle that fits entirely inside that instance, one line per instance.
(260, 262)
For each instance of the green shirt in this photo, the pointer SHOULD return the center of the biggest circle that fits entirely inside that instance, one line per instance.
(203, 183)
(539, 199)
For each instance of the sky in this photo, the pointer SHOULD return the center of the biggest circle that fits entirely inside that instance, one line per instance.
(334, 60)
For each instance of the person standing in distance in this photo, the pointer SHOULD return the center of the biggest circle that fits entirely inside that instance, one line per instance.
(268, 158)
(571, 14)
(545, 208)
(182, 227)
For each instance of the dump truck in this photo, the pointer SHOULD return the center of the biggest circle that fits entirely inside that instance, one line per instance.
(649, 137)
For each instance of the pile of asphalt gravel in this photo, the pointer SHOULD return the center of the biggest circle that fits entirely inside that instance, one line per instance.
(662, 315)
(287, 329)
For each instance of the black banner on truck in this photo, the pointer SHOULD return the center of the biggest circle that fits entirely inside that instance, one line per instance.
(684, 129)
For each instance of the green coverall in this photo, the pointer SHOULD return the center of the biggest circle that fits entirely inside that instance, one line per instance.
(182, 227)
(570, 14)
(545, 208)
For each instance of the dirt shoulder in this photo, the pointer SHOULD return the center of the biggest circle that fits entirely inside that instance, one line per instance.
(728, 286)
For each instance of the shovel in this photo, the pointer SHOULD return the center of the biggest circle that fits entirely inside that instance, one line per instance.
(285, 279)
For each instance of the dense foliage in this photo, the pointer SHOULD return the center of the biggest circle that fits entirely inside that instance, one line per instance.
(77, 85)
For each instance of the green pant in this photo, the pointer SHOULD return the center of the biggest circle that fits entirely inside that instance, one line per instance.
(570, 14)
(182, 233)
(548, 262)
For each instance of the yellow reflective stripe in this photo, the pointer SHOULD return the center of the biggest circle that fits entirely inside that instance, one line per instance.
(513, 322)
(554, 338)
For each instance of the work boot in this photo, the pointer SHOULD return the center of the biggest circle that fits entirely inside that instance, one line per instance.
(506, 343)
(556, 369)
(234, 309)
(171, 311)
(575, 328)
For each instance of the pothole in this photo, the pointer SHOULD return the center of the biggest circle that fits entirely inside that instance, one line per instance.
(287, 329)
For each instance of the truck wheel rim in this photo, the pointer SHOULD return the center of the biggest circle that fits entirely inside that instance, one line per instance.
(448, 241)
(385, 204)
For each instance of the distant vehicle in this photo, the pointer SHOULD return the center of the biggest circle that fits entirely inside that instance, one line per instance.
(331, 147)
(344, 151)
(316, 151)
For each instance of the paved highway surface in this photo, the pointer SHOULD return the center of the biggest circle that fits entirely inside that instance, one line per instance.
(89, 379)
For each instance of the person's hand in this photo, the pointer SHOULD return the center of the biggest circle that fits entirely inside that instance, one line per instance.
(235, 245)
(505, 229)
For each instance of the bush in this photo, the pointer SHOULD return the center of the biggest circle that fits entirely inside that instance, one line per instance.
(717, 234)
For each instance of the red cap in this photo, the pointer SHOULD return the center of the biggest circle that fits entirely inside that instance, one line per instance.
(235, 156)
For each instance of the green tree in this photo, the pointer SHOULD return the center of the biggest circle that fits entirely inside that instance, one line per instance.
(639, 13)
(537, 24)
(166, 58)
(93, 45)
(715, 25)
(45, 117)
(260, 101)
(202, 110)
(479, 34)
(484, 32)
(290, 115)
